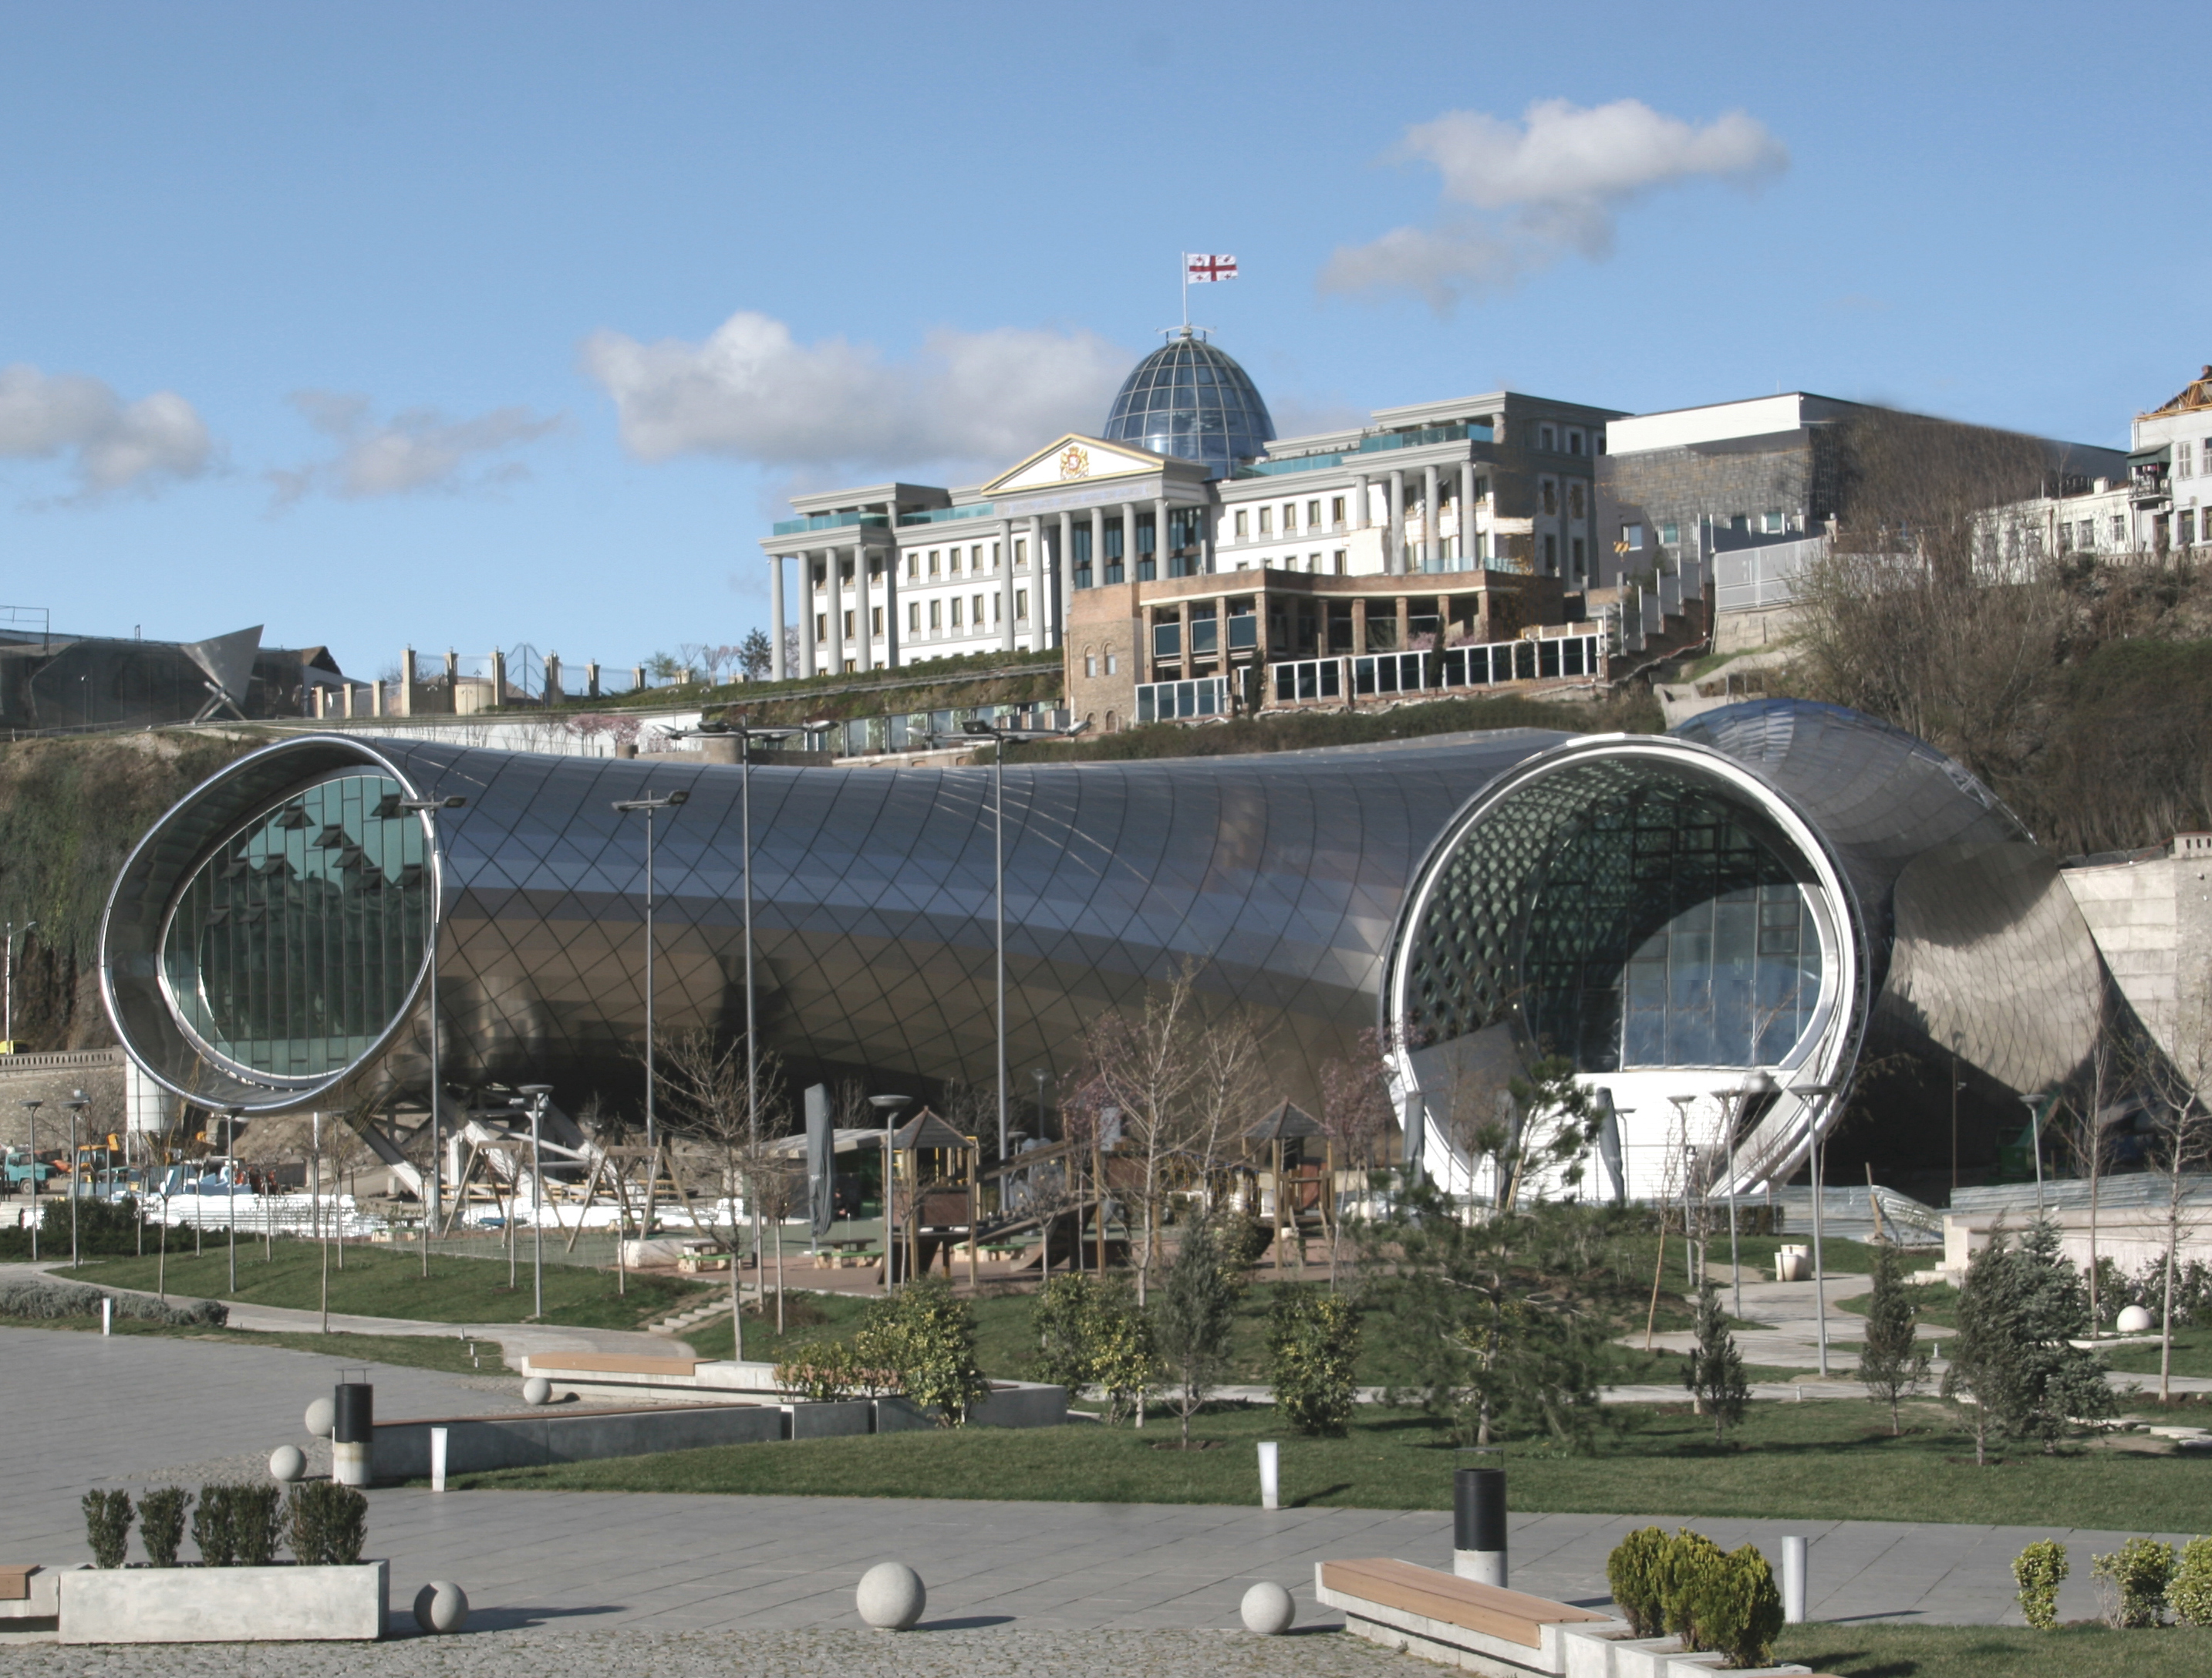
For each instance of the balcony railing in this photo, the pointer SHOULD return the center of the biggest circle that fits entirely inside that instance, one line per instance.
(1488, 665)
(830, 521)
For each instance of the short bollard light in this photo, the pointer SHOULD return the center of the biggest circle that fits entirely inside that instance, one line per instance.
(288, 1464)
(891, 1596)
(441, 1606)
(1268, 1609)
(438, 1437)
(107, 1314)
(1478, 1524)
(1794, 1555)
(1271, 1479)
(352, 1432)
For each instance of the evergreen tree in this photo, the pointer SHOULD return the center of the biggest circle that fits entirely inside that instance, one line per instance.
(1194, 1309)
(2020, 1308)
(1986, 1369)
(1715, 1377)
(1894, 1364)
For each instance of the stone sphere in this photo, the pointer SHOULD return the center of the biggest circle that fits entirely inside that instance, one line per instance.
(288, 1463)
(537, 1390)
(322, 1417)
(891, 1596)
(441, 1606)
(1268, 1609)
(2135, 1320)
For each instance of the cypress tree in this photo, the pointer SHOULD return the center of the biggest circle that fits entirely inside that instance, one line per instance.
(1892, 1364)
(1715, 1377)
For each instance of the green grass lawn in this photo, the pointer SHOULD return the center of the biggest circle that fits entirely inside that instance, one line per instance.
(439, 1351)
(378, 1281)
(1831, 1461)
(1996, 1651)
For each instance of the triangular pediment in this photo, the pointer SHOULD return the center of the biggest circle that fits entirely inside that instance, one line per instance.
(1075, 459)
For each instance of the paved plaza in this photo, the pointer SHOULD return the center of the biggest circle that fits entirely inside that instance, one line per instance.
(140, 1410)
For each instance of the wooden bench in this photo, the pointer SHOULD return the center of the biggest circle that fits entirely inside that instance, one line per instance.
(30, 1597)
(610, 1363)
(15, 1581)
(1482, 1628)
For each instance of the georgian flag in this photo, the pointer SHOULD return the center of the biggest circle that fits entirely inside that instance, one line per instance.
(1205, 270)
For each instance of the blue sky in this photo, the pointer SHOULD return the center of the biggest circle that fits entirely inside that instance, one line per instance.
(479, 324)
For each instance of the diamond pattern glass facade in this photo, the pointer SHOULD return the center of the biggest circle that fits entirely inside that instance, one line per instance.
(1190, 400)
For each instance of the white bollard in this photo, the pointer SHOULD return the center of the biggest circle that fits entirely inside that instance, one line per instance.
(1793, 1581)
(1270, 1475)
(437, 1459)
(106, 1314)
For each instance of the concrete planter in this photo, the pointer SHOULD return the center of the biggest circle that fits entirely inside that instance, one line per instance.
(225, 1604)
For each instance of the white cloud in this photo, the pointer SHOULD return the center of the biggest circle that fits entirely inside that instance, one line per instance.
(416, 450)
(111, 445)
(1536, 190)
(752, 391)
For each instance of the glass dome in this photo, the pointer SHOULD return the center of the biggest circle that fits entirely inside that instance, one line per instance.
(1190, 399)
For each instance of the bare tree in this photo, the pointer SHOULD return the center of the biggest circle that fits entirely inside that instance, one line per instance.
(705, 1076)
(2178, 1081)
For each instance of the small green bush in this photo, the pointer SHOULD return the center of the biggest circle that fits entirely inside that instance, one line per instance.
(2189, 1593)
(1091, 1333)
(329, 1525)
(213, 1533)
(1737, 1610)
(925, 1336)
(2131, 1582)
(107, 1527)
(256, 1519)
(2039, 1571)
(44, 1297)
(1632, 1572)
(823, 1371)
(162, 1523)
(1685, 1568)
(1313, 1344)
(1240, 1241)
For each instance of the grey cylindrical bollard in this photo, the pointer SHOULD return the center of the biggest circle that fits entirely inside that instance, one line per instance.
(353, 1432)
(1478, 1524)
(1270, 1475)
(1793, 1581)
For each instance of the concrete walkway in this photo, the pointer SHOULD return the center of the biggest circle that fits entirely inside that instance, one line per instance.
(142, 1410)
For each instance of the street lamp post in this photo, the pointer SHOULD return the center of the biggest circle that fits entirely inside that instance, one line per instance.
(9, 1029)
(1002, 735)
(428, 809)
(2034, 1104)
(76, 1104)
(32, 1108)
(1756, 1083)
(537, 1094)
(889, 1107)
(1693, 1262)
(1810, 1092)
(230, 1186)
(650, 804)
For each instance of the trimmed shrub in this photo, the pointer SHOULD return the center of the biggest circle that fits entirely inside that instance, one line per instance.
(329, 1525)
(1091, 1333)
(2189, 1593)
(1684, 1566)
(1313, 1343)
(108, 1227)
(2131, 1582)
(107, 1527)
(162, 1523)
(2039, 1571)
(1240, 1241)
(823, 1371)
(926, 1338)
(213, 1533)
(257, 1520)
(45, 1297)
(1632, 1572)
(1737, 1609)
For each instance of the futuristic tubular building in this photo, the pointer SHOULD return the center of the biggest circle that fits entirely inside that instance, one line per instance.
(1778, 885)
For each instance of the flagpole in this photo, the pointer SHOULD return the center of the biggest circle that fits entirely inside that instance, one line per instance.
(1185, 291)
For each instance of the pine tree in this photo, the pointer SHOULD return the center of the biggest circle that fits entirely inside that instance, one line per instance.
(1193, 1308)
(1715, 1377)
(2019, 1309)
(1892, 1364)
(1985, 1365)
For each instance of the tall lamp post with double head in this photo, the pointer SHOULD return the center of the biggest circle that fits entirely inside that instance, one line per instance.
(1810, 1093)
(76, 1104)
(889, 1107)
(434, 1205)
(652, 806)
(1003, 734)
(1734, 1103)
(32, 1152)
(230, 1117)
(8, 1031)
(534, 1096)
(2036, 1104)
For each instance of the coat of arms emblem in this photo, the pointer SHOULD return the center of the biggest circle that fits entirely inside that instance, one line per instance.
(1074, 462)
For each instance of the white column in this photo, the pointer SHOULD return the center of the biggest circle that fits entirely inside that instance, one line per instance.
(1431, 547)
(1037, 590)
(1359, 504)
(863, 625)
(809, 660)
(834, 576)
(1064, 575)
(1394, 562)
(1467, 515)
(1098, 546)
(776, 671)
(1160, 536)
(1006, 546)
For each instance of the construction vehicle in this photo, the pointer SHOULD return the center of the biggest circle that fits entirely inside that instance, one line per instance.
(21, 1167)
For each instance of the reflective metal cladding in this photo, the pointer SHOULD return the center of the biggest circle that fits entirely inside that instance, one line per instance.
(1775, 886)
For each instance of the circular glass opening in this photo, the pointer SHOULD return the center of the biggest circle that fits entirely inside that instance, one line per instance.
(294, 948)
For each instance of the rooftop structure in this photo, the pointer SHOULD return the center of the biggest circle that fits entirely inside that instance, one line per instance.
(1189, 399)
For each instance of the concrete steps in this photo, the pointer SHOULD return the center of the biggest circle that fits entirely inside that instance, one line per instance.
(711, 1310)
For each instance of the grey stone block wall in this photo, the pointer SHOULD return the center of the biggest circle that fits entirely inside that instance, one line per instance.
(1799, 473)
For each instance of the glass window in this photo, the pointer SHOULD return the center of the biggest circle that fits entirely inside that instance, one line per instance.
(913, 566)
(1313, 515)
(1336, 510)
(1575, 498)
(1113, 663)
(1574, 441)
(952, 561)
(936, 619)
(914, 615)
(1242, 518)
(821, 626)
(1670, 534)
(1021, 554)
(1267, 522)
(956, 611)
(1631, 536)
(1548, 489)
(295, 947)
(1091, 664)
(876, 621)
(1290, 518)
(1021, 605)
(932, 562)
(1772, 522)
(1546, 438)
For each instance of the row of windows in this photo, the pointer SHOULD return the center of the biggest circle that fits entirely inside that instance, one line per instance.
(1550, 438)
(1266, 517)
(1090, 663)
(961, 614)
(2183, 465)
